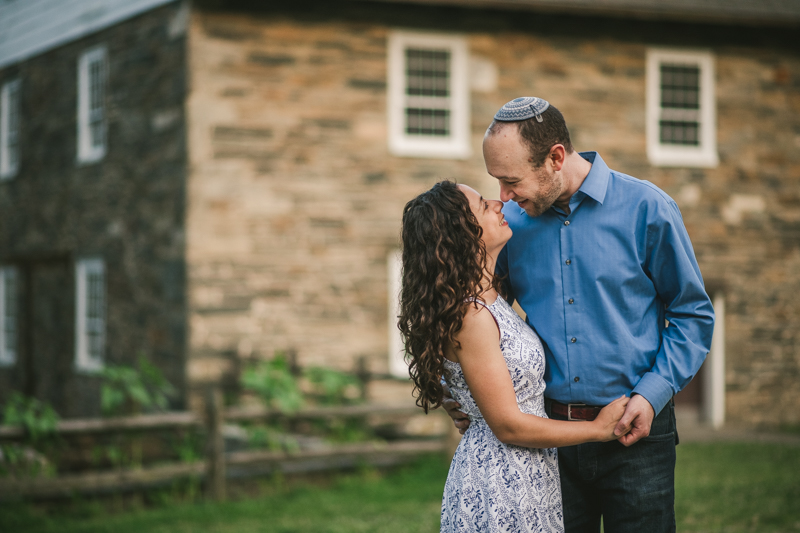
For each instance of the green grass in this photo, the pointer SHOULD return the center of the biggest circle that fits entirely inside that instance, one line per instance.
(720, 487)
(738, 487)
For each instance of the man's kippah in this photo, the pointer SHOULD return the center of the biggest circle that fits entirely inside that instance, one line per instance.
(522, 108)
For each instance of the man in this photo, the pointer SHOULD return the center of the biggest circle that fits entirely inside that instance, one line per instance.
(600, 262)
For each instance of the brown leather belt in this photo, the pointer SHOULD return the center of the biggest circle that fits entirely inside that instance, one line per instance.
(575, 411)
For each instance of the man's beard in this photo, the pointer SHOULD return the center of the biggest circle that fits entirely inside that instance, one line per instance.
(550, 190)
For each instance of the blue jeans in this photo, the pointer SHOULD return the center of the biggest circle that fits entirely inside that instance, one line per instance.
(633, 489)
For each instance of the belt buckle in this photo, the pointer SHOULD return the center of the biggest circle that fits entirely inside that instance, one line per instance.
(569, 410)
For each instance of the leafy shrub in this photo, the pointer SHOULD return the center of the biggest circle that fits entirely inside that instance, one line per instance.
(38, 418)
(274, 383)
(128, 390)
(332, 387)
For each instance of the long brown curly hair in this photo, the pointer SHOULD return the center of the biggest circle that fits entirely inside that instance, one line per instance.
(444, 260)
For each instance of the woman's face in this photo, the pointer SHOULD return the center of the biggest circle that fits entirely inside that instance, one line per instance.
(490, 216)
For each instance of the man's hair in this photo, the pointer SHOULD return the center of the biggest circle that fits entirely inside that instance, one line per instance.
(540, 136)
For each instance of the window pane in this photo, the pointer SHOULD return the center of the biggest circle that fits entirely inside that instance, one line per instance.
(428, 73)
(95, 311)
(428, 121)
(12, 139)
(680, 86)
(96, 95)
(679, 132)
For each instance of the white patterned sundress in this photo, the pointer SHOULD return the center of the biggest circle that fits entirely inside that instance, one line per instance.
(493, 486)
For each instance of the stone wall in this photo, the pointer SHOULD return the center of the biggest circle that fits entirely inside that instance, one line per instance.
(295, 201)
(128, 208)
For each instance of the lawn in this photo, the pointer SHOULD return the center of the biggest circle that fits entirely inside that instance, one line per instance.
(720, 487)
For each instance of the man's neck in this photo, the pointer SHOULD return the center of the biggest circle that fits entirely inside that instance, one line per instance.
(575, 170)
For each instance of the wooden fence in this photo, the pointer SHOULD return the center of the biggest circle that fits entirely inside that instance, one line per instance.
(218, 465)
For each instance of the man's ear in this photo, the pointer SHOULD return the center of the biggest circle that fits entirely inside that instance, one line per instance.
(557, 156)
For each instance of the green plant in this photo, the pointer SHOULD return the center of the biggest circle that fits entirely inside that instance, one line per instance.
(128, 390)
(332, 387)
(274, 383)
(271, 437)
(188, 447)
(38, 418)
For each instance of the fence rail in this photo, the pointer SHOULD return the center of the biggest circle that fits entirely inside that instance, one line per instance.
(218, 466)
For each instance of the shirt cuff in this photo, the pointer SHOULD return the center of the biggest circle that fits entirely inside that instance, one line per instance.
(655, 390)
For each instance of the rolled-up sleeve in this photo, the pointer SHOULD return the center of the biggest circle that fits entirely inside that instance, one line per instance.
(685, 342)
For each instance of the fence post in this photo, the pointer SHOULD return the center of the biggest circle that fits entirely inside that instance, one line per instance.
(362, 374)
(215, 449)
(293, 363)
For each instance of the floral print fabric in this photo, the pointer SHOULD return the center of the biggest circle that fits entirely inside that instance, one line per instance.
(492, 486)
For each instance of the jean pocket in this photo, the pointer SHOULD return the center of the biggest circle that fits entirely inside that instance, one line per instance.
(663, 437)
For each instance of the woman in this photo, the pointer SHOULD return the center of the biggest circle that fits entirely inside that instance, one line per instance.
(504, 475)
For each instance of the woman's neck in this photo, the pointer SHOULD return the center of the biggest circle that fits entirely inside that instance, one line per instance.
(487, 287)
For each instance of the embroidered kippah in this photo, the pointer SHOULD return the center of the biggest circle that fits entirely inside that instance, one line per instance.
(522, 108)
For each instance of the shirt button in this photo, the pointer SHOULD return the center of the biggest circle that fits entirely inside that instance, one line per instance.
(566, 222)
(577, 379)
(573, 339)
(569, 261)
(571, 301)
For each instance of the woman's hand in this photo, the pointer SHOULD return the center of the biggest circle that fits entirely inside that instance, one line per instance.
(607, 419)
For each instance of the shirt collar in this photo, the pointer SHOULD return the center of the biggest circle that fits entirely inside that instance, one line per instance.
(596, 183)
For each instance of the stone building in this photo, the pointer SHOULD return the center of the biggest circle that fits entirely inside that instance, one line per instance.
(290, 136)
(92, 195)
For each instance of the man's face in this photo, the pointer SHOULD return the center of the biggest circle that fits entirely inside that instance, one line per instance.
(509, 161)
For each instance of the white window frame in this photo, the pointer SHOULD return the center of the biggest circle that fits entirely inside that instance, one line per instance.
(8, 355)
(457, 144)
(397, 350)
(84, 360)
(10, 105)
(669, 155)
(714, 386)
(88, 150)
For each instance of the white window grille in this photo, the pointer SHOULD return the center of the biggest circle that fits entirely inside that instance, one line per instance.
(397, 350)
(92, 73)
(681, 108)
(9, 129)
(428, 100)
(90, 314)
(9, 296)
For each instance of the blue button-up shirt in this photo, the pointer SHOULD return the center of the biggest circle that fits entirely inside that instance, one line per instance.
(599, 285)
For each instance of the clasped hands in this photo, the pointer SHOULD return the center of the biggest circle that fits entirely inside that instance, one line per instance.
(632, 424)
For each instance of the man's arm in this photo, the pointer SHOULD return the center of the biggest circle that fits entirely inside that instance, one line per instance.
(671, 264)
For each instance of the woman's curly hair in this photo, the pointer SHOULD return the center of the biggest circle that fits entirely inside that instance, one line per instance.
(444, 260)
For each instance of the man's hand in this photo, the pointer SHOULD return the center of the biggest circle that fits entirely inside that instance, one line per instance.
(452, 408)
(638, 418)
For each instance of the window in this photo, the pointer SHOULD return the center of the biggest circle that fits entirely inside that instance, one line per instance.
(397, 351)
(428, 101)
(681, 114)
(90, 314)
(9, 129)
(8, 316)
(91, 105)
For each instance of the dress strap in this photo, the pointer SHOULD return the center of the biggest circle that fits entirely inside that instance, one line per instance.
(487, 307)
(477, 301)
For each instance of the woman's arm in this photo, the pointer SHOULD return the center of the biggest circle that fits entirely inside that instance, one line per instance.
(490, 384)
